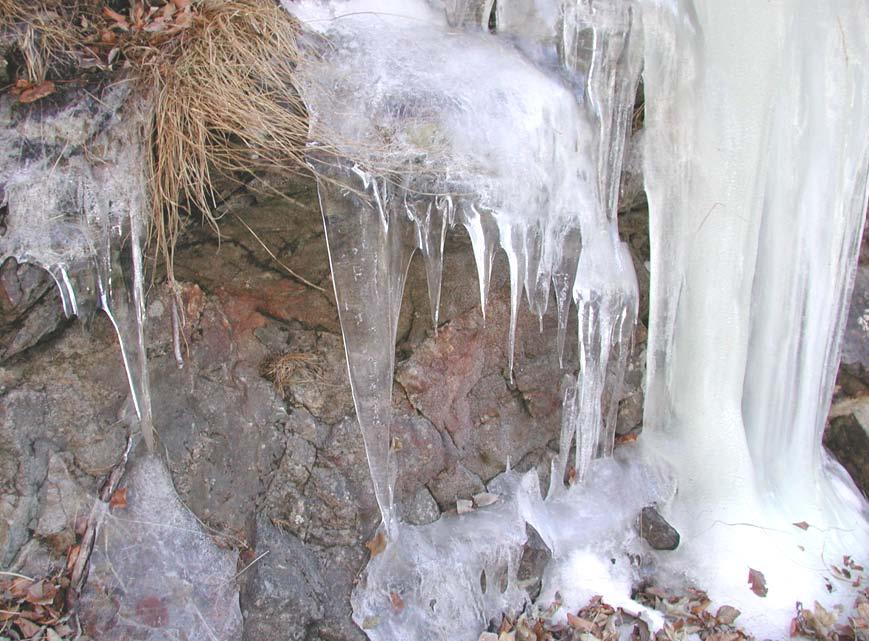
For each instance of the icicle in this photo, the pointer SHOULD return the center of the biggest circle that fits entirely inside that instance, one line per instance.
(563, 277)
(83, 223)
(513, 243)
(431, 230)
(483, 231)
(369, 260)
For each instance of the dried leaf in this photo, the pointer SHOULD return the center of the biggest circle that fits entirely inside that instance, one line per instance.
(19, 587)
(117, 18)
(377, 544)
(757, 582)
(578, 623)
(119, 499)
(485, 499)
(181, 4)
(630, 437)
(52, 635)
(802, 525)
(28, 628)
(824, 616)
(72, 557)
(727, 614)
(37, 92)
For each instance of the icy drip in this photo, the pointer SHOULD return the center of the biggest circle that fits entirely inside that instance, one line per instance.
(490, 140)
(82, 220)
(758, 115)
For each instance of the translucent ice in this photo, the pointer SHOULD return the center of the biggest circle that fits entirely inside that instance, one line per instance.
(422, 119)
(81, 216)
(155, 573)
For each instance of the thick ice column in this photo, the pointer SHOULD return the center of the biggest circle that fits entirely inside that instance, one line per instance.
(370, 242)
(755, 167)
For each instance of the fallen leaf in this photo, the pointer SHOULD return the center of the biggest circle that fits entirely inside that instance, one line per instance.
(36, 92)
(152, 611)
(630, 437)
(397, 602)
(19, 587)
(28, 628)
(757, 582)
(485, 499)
(727, 614)
(802, 525)
(377, 544)
(119, 499)
(119, 20)
(52, 635)
(823, 615)
(578, 623)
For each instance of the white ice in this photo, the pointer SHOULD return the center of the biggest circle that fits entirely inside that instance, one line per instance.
(420, 120)
(756, 157)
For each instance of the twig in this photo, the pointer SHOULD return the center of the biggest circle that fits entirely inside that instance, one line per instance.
(249, 565)
(76, 577)
(299, 278)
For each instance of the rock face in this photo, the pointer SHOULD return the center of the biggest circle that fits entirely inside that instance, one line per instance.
(277, 471)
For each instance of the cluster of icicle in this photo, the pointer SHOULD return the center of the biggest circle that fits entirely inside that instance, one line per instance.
(76, 199)
(516, 137)
(422, 119)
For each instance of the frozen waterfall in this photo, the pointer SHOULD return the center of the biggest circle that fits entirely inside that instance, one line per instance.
(755, 159)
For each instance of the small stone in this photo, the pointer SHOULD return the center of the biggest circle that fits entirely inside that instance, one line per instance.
(485, 499)
(659, 534)
(463, 506)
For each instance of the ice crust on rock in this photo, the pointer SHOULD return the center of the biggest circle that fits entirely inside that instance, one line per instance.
(76, 206)
(421, 119)
(448, 579)
(155, 573)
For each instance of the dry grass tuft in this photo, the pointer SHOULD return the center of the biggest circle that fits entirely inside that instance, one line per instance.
(219, 75)
(292, 368)
(46, 32)
(225, 102)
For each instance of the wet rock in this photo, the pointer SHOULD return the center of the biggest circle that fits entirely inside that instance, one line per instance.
(659, 534)
(30, 307)
(535, 557)
(855, 345)
(61, 501)
(420, 509)
(848, 441)
(284, 590)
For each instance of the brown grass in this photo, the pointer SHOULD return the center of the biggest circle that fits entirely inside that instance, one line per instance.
(222, 91)
(46, 32)
(292, 368)
(224, 102)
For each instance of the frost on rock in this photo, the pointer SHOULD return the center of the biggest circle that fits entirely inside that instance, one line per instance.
(155, 574)
(422, 120)
(74, 190)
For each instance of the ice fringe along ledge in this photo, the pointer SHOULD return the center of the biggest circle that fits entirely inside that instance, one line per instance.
(421, 120)
(76, 199)
(518, 136)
